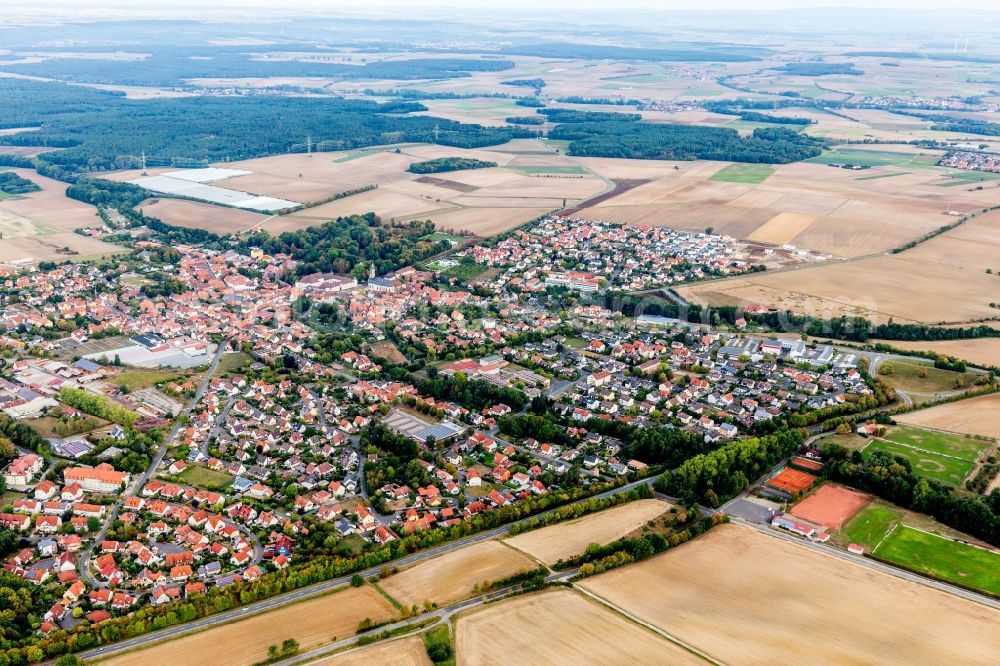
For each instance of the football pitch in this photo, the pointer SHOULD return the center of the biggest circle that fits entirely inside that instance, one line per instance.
(942, 558)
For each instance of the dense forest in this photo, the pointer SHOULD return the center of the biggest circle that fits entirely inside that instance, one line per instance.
(474, 395)
(105, 131)
(537, 84)
(525, 120)
(11, 183)
(574, 116)
(685, 142)
(173, 66)
(818, 68)
(442, 164)
(350, 245)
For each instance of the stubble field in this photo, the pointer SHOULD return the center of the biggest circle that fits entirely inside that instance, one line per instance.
(943, 280)
(452, 576)
(312, 623)
(979, 351)
(40, 225)
(747, 597)
(559, 627)
(976, 416)
(407, 651)
(557, 542)
(529, 180)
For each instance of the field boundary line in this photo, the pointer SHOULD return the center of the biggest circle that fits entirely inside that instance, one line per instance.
(660, 632)
(933, 453)
(886, 535)
(948, 538)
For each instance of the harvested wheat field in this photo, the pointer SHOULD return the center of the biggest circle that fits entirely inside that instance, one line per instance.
(197, 215)
(49, 209)
(407, 651)
(978, 351)
(559, 627)
(452, 576)
(557, 542)
(902, 286)
(976, 416)
(312, 623)
(831, 506)
(484, 221)
(811, 206)
(746, 597)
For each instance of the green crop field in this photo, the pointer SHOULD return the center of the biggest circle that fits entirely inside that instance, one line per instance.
(942, 558)
(925, 463)
(870, 525)
(938, 442)
(872, 158)
(743, 173)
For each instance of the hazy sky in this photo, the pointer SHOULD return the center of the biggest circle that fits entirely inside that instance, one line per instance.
(355, 6)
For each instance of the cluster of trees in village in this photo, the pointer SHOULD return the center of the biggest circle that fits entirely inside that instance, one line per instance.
(686, 142)
(717, 476)
(473, 394)
(97, 405)
(349, 245)
(441, 164)
(892, 478)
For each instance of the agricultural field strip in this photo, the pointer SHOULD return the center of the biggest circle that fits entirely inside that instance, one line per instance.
(322, 588)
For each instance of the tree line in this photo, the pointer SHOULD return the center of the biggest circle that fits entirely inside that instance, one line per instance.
(686, 142)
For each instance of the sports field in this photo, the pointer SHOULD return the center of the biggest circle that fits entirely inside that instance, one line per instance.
(938, 442)
(925, 463)
(831, 506)
(870, 526)
(940, 557)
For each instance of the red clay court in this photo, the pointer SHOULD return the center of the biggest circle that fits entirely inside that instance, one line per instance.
(791, 480)
(805, 463)
(831, 506)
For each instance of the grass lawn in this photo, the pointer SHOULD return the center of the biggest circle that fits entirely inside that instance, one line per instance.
(925, 463)
(870, 525)
(231, 362)
(206, 478)
(743, 173)
(906, 377)
(884, 175)
(576, 343)
(942, 558)
(938, 442)
(137, 378)
(441, 635)
(968, 176)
